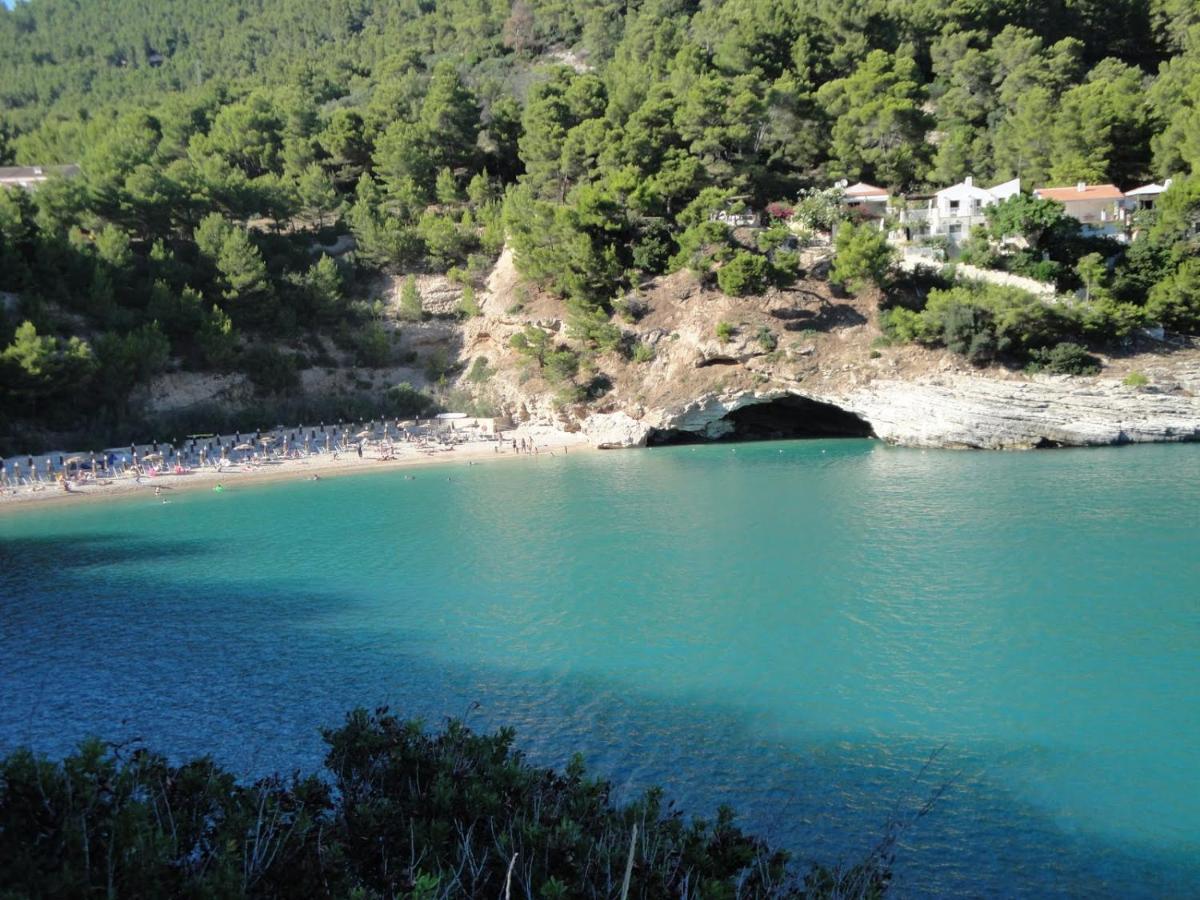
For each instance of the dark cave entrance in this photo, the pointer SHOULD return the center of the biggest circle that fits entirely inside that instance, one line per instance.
(785, 418)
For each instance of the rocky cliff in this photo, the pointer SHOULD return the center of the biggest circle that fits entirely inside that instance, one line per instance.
(807, 361)
(798, 362)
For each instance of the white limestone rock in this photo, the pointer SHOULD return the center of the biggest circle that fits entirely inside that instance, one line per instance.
(976, 412)
(610, 431)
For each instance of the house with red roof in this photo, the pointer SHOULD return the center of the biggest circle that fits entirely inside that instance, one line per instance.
(1099, 208)
(867, 199)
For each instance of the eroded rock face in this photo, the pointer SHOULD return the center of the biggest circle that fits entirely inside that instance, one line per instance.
(806, 342)
(962, 412)
(439, 295)
(612, 431)
(1004, 415)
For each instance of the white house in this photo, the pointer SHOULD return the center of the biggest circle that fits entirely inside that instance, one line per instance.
(1146, 196)
(1099, 208)
(29, 177)
(952, 212)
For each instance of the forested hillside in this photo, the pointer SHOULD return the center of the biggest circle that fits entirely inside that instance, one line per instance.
(224, 144)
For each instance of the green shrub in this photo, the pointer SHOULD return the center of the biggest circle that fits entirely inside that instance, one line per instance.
(373, 346)
(1065, 358)
(1175, 301)
(468, 306)
(863, 257)
(630, 308)
(532, 343)
(438, 364)
(410, 301)
(904, 325)
(1107, 318)
(981, 321)
(725, 332)
(766, 338)
(270, 371)
(745, 274)
(217, 340)
(1135, 379)
(480, 372)
(561, 366)
(785, 267)
(405, 401)
(569, 393)
(642, 353)
(589, 322)
(653, 252)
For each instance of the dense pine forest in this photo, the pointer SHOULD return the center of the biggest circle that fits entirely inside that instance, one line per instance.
(227, 147)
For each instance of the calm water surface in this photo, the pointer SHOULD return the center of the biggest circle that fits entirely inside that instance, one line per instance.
(791, 628)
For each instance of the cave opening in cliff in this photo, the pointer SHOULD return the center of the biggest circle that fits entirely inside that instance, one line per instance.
(785, 418)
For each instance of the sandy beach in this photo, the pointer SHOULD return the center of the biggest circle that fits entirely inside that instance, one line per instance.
(545, 441)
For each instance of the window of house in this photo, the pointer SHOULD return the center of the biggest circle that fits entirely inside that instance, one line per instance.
(953, 206)
(956, 229)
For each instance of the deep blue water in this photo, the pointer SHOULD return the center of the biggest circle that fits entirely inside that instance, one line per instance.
(791, 628)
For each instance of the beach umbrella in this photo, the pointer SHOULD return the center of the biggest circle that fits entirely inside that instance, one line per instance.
(151, 457)
(244, 446)
(365, 433)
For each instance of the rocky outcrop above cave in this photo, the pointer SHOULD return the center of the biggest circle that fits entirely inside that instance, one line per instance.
(814, 359)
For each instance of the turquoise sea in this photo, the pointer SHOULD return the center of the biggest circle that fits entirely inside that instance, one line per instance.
(821, 633)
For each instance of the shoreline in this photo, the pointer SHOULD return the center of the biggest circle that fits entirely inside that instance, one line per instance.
(548, 442)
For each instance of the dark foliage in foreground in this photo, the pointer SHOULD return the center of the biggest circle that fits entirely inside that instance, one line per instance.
(402, 813)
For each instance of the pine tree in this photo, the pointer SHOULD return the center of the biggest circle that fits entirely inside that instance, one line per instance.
(410, 301)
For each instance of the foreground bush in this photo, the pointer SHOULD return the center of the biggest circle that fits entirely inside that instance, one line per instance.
(400, 812)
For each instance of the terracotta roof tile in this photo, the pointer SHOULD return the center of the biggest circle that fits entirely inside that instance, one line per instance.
(1089, 192)
(864, 190)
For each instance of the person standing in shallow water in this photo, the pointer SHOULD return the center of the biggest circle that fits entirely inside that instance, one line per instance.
(360, 451)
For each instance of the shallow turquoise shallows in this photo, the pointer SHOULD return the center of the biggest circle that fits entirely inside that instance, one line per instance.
(820, 633)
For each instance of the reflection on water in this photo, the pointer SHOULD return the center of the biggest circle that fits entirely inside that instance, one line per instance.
(791, 628)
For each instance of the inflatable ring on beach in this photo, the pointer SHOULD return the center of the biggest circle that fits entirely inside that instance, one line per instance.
(218, 489)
